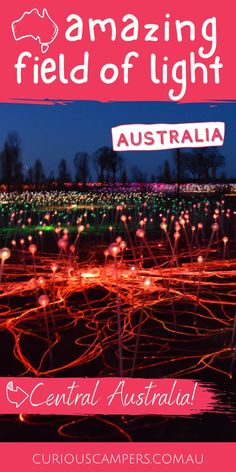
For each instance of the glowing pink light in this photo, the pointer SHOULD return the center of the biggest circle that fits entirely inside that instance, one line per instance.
(41, 281)
(114, 249)
(54, 267)
(32, 249)
(140, 233)
(43, 300)
(62, 244)
(5, 253)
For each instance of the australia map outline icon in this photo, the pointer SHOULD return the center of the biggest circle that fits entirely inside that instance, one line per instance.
(40, 27)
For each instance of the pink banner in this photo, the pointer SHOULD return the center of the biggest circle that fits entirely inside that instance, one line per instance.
(171, 51)
(150, 457)
(108, 396)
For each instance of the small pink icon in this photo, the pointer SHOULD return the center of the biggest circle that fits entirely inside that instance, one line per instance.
(17, 395)
(38, 26)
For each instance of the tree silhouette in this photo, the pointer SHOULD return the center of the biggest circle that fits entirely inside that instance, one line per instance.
(51, 177)
(180, 165)
(107, 164)
(81, 163)
(166, 175)
(38, 173)
(123, 177)
(202, 164)
(29, 177)
(137, 175)
(12, 168)
(100, 164)
(63, 172)
(115, 164)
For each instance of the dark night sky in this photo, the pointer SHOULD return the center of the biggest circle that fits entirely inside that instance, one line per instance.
(51, 133)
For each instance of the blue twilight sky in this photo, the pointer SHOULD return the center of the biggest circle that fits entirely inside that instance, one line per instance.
(51, 133)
